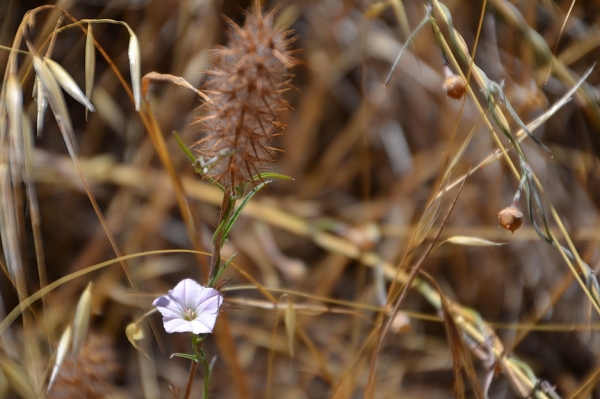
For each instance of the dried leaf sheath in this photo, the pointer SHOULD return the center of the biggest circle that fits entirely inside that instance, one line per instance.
(246, 83)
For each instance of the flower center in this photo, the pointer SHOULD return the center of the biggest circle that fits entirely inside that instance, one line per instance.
(189, 314)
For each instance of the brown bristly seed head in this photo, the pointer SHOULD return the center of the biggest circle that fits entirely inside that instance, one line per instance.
(246, 84)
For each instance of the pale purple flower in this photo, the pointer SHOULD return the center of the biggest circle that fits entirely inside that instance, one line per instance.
(189, 307)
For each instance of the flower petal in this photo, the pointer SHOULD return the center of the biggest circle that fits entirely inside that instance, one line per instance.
(203, 325)
(168, 307)
(185, 292)
(189, 298)
(177, 325)
(211, 302)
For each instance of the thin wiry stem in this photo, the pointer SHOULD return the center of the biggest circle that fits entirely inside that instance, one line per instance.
(192, 373)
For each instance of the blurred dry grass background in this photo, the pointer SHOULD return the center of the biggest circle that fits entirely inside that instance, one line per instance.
(365, 160)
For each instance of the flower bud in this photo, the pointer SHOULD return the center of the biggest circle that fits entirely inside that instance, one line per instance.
(510, 218)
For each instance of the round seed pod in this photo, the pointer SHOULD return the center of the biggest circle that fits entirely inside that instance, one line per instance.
(455, 86)
(510, 218)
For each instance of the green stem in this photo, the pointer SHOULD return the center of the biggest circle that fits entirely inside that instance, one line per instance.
(207, 373)
(220, 235)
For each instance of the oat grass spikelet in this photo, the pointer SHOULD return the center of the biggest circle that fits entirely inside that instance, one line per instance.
(246, 84)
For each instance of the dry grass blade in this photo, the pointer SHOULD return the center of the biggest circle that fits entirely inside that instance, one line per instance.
(514, 17)
(150, 76)
(17, 378)
(461, 358)
(58, 106)
(68, 83)
(135, 69)
(397, 301)
(9, 230)
(421, 25)
(42, 104)
(57, 103)
(14, 104)
(32, 199)
(471, 241)
(81, 320)
(61, 352)
(429, 217)
(90, 63)
(360, 154)
(521, 135)
(290, 325)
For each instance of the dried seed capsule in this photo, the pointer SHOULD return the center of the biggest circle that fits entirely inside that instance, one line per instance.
(510, 218)
(454, 85)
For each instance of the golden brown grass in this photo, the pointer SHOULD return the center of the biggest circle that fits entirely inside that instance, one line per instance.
(322, 260)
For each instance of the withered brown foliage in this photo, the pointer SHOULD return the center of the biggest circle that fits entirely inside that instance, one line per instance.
(246, 83)
(90, 375)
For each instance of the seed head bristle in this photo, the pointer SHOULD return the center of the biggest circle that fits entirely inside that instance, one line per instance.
(246, 83)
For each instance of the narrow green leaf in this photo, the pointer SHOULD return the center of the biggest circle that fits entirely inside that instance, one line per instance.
(239, 209)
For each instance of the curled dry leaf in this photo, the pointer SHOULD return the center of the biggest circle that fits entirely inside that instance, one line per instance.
(134, 334)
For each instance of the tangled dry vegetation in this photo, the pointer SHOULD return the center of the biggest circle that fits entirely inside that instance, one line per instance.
(376, 272)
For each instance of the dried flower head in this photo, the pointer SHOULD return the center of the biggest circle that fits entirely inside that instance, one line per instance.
(510, 218)
(246, 83)
(189, 307)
